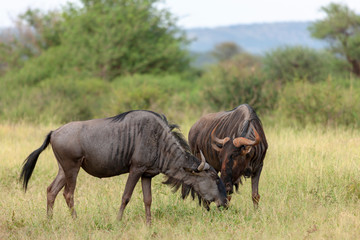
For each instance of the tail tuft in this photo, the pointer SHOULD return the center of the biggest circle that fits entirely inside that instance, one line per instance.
(30, 162)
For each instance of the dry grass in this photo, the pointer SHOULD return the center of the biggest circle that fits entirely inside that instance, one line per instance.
(310, 189)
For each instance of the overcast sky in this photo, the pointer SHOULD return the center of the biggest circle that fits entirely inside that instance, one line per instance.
(206, 13)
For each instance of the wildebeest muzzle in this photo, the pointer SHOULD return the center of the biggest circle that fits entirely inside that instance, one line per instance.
(248, 172)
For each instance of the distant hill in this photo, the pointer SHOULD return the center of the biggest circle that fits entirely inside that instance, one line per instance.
(254, 38)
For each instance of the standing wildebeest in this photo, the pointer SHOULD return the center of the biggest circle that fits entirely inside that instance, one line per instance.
(140, 143)
(225, 138)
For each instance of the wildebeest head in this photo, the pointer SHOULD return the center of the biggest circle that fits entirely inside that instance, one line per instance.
(235, 155)
(207, 184)
(201, 180)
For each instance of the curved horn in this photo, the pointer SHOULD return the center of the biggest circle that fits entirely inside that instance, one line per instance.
(219, 141)
(244, 141)
(203, 165)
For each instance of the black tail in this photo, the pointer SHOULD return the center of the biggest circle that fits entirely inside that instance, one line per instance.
(30, 162)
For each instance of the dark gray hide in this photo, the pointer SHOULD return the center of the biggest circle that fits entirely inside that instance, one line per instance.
(234, 143)
(140, 143)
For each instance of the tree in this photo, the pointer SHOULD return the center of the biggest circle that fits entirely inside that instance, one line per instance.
(101, 38)
(117, 37)
(341, 28)
(226, 50)
(35, 32)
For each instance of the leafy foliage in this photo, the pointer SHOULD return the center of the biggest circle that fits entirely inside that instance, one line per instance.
(111, 56)
(116, 37)
(341, 28)
(169, 94)
(66, 98)
(36, 32)
(103, 39)
(288, 63)
(57, 99)
(236, 81)
(329, 103)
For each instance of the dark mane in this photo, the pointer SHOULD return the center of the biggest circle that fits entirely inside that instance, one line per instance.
(121, 116)
(174, 128)
(175, 131)
(245, 114)
(177, 183)
(254, 120)
(232, 109)
(185, 190)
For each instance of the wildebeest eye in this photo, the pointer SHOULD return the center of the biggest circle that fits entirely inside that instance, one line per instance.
(219, 145)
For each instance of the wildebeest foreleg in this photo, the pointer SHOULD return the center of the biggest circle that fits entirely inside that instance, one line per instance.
(146, 189)
(53, 189)
(133, 178)
(255, 187)
(69, 190)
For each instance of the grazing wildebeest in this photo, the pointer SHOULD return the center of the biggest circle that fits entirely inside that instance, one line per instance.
(140, 143)
(234, 143)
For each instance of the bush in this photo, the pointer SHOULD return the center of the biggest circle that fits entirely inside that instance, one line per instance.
(288, 63)
(60, 99)
(66, 98)
(236, 81)
(329, 103)
(168, 94)
(51, 64)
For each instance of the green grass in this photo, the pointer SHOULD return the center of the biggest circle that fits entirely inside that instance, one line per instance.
(309, 187)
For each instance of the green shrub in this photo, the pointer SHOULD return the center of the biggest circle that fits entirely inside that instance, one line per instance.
(236, 81)
(296, 62)
(169, 94)
(51, 64)
(60, 99)
(66, 98)
(329, 103)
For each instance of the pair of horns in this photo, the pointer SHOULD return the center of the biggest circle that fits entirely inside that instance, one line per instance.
(237, 141)
(203, 165)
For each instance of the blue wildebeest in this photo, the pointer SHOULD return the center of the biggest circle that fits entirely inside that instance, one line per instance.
(140, 143)
(234, 143)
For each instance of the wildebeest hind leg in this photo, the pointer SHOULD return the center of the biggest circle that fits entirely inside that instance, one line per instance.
(146, 189)
(71, 176)
(133, 178)
(53, 189)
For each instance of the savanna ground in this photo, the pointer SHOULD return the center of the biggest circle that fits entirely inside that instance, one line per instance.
(309, 187)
